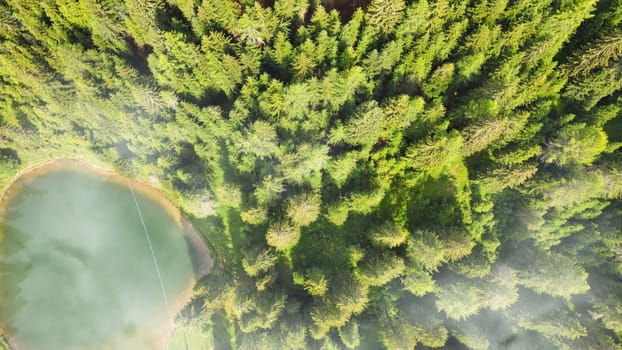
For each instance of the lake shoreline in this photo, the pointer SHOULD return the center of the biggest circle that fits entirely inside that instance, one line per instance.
(89, 168)
(191, 234)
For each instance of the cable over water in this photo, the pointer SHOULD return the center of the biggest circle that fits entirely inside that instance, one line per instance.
(155, 260)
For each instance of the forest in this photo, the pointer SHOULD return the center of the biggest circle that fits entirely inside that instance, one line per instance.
(384, 174)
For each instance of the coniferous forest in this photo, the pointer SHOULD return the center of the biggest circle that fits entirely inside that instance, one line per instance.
(393, 174)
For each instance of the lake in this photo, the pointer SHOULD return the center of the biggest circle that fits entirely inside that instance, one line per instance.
(76, 267)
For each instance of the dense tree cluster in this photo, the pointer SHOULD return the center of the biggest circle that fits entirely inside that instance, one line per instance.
(387, 173)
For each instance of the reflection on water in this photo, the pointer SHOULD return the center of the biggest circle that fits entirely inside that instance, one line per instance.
(75, 268)
(12, 273)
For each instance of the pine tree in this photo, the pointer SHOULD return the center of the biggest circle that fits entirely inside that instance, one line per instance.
(470, 335)
(554, 274)
(316, 283)
(417, 281)
(282, 235)
(426, 250)
(258, 262)
(576, 143)
(389, 235)
(552, 322)
(381, 269)
(384, 15)
(349, 335)
(599, 54)
(261, 140)
(269, 190)
(303, 209)
(397, 333)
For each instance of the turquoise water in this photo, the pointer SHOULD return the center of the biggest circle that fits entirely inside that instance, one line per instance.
(76, 271)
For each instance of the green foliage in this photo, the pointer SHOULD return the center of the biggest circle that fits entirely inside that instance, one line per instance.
(469, 334)
(260, 141)
(347, 298)
(439, 81)
(338, 214)
(9, 164)
(577, 143)
(350, 296)
(341, 168)
(3, 344)
(282, 235)
(459, 300)
(397, 333)
(479, 135)
(366, 126)
(496, 291)
(426, 250)
(501, 178)
(259, 262)
(610, 316)
(316, 283)
(346, 160)
(434, 153)
(389, 235)
(303, 209)
(552, 324)
(288, 9)
(418, 282)
(349, 335)
(384, 15)
(365, 202)
(303, 164)
(588, 91)
(554, 274)
(600, 54)
(254, 216)
(379, 270)
(260, 311)
(229, 195)
(269, 190)
(431, 333)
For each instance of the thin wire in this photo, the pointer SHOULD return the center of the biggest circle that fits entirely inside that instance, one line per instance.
(155, 260)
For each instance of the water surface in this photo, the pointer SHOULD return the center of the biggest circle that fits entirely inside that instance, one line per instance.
(76, 271)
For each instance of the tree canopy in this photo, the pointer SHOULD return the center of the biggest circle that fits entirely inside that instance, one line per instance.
(368, 174)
